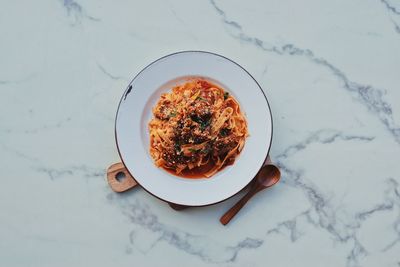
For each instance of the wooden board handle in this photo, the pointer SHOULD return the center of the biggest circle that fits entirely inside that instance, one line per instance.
(177, 206)
(120, 185)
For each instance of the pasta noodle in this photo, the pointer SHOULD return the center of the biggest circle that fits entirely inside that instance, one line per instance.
(197, 129)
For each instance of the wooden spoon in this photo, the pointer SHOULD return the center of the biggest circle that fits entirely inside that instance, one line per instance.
(266, 177)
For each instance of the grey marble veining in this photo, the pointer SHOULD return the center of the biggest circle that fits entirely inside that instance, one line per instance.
(75, 10)
(331, 74)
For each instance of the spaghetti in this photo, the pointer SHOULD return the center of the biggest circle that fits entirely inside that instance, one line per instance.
(198, 128)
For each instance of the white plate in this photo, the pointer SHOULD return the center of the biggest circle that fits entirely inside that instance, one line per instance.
(134, 113)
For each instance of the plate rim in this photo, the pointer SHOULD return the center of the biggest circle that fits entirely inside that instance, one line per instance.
(128, 90)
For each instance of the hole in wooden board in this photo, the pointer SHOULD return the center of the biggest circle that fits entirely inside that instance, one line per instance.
(120, 177)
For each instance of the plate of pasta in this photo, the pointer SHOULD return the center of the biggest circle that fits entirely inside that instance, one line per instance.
(193, 128)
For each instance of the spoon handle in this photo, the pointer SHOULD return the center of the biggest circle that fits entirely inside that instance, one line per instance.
(227, 217)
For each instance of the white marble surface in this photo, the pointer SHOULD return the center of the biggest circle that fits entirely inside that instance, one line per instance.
(331, 70)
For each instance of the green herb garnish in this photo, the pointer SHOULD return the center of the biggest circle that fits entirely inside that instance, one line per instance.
(206, 150)
(192, 150)
(204, 124)
(177, 147)
(201, 98)
(224, 132)
(172, 114)
(226, 95)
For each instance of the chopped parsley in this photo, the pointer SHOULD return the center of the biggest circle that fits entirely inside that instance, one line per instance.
(224, 132)
(204, 124)
(226, 95)
(201, 98)
(204, 121)
(172, 114)
(195, 118)
(177, 147)
(206, 150)
(193, 150)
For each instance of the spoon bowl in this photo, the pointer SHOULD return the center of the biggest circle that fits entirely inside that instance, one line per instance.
(268, 176)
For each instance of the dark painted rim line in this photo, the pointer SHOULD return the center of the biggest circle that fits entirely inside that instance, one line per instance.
(128, 90)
